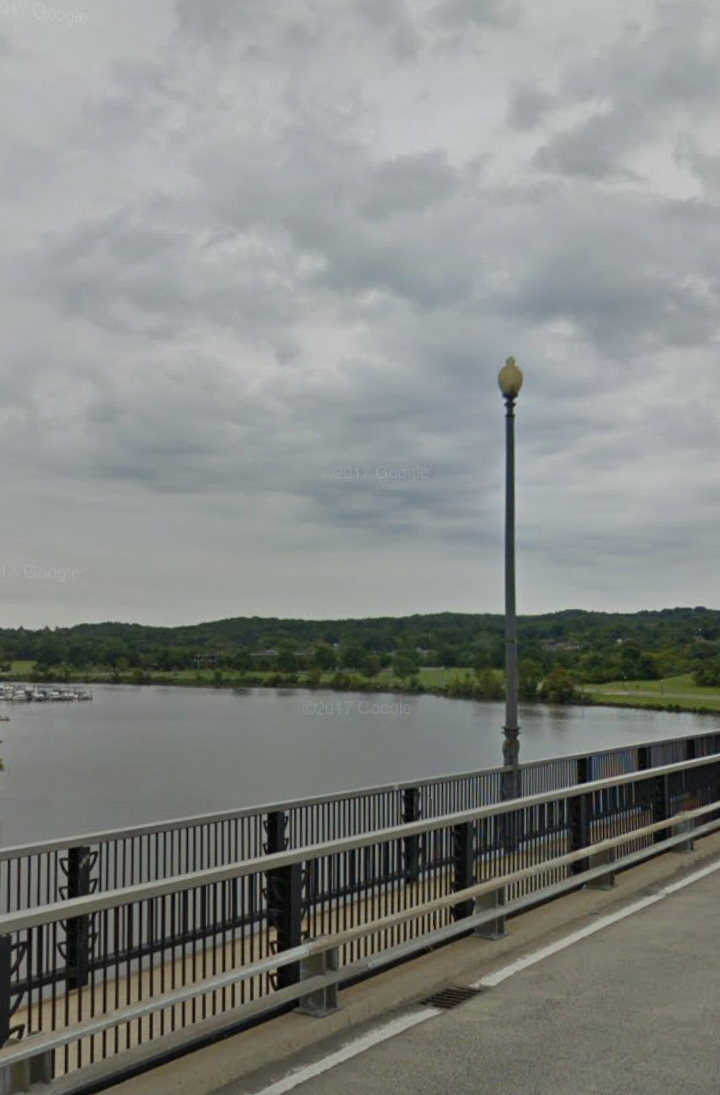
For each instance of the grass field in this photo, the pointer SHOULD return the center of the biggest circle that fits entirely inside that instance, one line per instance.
(21, 671)
(671, 691)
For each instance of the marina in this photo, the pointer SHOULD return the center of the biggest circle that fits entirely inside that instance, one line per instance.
(24, 693)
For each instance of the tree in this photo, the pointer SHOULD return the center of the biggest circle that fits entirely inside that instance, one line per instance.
(481, 659)
(559, 687)
(325, 657)
(353, 657)
(647, 668)
(241, 660)
(286, 660)
(489, 686)
(530, 676)
(371, 666)
(47, 650)
(406, 663)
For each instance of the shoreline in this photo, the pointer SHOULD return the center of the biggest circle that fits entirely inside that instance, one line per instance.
(584, 699)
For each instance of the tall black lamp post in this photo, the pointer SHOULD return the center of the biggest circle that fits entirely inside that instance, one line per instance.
(510, 380)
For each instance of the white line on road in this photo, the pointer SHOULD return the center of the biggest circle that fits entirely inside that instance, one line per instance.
(406, 1022)
(352, 1049)
(602, 922)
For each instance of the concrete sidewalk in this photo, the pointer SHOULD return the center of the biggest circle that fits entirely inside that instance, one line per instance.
(280, 1044)
(631, 1010)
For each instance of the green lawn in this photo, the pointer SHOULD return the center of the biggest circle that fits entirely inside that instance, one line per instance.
(19, 669)
(680, 690)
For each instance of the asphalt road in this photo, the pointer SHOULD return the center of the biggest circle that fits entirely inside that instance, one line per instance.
(631, 1010)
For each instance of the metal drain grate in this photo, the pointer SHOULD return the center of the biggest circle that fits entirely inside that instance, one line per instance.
(451, 997)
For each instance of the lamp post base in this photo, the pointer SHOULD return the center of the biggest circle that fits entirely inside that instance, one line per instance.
(510, 789)
(510, 780)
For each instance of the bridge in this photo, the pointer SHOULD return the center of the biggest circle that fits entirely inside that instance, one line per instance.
(121, 952)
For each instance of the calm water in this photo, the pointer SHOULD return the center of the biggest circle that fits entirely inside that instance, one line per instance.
(152, 753)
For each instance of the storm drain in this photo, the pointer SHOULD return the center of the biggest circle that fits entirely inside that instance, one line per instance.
(451, 997)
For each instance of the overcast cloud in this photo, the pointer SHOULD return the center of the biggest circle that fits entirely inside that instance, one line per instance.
(262, 262)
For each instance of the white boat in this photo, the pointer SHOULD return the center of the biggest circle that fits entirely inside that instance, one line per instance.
(84, 694)
(40, 694)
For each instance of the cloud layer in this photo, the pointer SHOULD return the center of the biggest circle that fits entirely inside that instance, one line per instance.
(262, 264)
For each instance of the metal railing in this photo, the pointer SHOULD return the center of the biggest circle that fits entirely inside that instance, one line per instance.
(54, 870)
(101, 980)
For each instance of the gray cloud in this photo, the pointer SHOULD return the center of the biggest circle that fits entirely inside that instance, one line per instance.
(256, 243)
(596, 148)
(527, 107)
(464, 15)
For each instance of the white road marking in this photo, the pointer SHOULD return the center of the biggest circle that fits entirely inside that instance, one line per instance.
(406, 1022)
(496, 978)
(352, 1049)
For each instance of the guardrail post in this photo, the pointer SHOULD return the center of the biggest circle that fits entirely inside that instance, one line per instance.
(492, 929)
(463, 854)
(77, 929)
(283, 894)
(324, 1001)
(411, 844)
(580, 816)
(602, 859)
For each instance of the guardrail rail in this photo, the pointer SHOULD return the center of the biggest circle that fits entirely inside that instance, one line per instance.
(100, 984)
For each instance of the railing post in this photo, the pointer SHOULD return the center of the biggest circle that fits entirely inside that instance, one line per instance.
(411, 844)
(283, 894)
(580, 811)
(24, 1075)
(5, 988)
(78, 943)
(660, 805)
(463, 854)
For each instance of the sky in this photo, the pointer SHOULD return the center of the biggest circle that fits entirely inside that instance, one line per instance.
(261, 264)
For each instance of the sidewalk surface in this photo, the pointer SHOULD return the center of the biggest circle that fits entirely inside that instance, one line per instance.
(631, 1010)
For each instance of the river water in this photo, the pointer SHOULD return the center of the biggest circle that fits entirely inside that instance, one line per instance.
(151, 753)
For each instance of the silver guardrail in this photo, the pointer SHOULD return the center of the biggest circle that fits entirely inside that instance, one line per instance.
(320, 971)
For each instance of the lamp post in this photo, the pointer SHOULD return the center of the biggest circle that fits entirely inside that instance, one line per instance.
(510, 380)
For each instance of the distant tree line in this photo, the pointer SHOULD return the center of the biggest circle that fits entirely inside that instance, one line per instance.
(588, 646)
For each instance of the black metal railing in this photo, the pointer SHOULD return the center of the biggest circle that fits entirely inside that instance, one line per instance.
(50, 871)
(97, 951)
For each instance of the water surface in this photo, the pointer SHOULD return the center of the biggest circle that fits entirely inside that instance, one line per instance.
(150, 753)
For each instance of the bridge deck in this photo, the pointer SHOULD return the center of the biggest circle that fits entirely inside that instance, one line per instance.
(634, 1007)
(209, 961)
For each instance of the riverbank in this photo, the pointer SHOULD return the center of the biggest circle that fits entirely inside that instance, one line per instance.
(675, 694)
